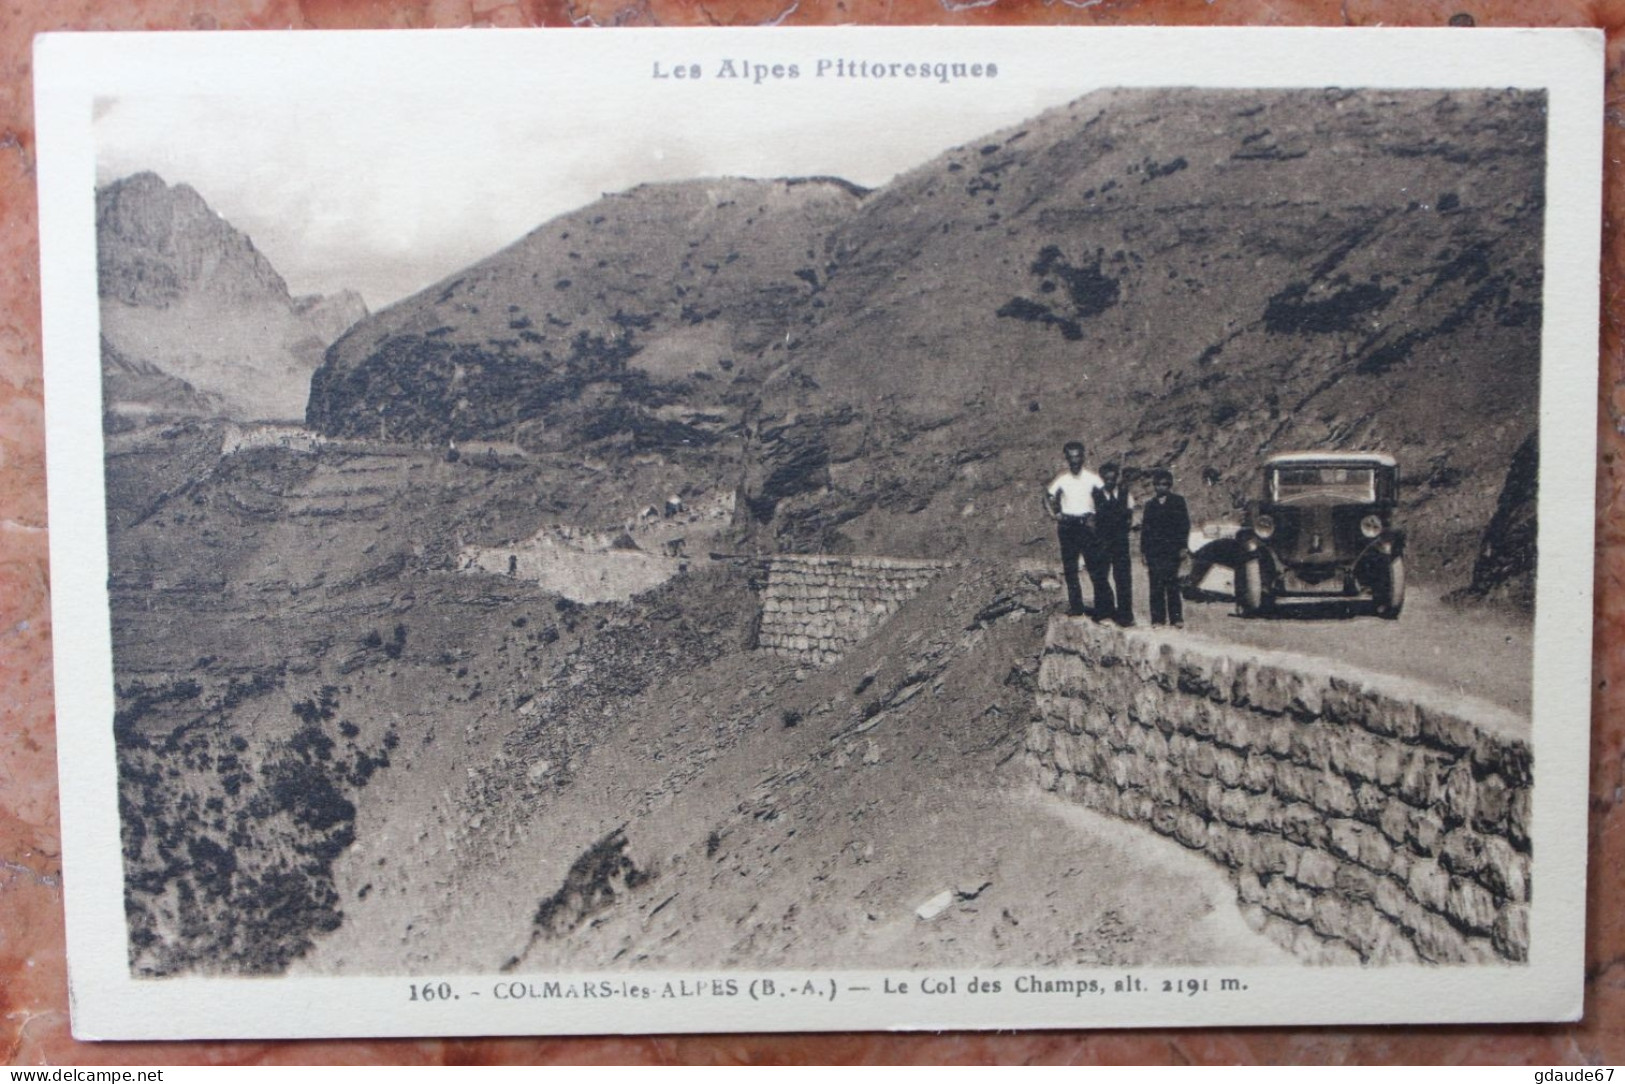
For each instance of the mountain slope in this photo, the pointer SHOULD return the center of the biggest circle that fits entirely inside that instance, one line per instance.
(1193, 280)
(132, 388)
(641, 316)
(1183, 278)
(185, 293)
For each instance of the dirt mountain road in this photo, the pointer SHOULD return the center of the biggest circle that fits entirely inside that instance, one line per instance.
(1477, 652)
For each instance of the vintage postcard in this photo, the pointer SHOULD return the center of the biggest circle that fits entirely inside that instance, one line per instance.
(563, 532)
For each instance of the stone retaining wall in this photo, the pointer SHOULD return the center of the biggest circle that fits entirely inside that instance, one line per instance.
(816, 608)
(1362, 818)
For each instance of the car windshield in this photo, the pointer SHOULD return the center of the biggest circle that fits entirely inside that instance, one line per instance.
(1352, 484)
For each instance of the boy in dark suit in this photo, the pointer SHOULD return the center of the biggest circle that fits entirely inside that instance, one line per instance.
(1164, 533)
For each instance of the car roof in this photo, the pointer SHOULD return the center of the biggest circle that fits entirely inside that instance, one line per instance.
(1381, 459)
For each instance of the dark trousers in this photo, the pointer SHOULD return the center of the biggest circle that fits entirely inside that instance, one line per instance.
(1094, 558)
(1114, 561)
(1166, 606)
(1076, 541)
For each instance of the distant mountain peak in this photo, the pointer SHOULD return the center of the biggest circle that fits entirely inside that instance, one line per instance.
(157, 241)
(331, 315)
(187, 295)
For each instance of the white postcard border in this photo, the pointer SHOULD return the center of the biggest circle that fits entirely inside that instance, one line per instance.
(74, 70)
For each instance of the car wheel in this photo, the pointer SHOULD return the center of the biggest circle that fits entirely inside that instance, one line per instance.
(1391, 594)
(1250, 596)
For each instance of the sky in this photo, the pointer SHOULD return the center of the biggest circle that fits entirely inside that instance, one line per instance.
(390, 186)
(384, 162)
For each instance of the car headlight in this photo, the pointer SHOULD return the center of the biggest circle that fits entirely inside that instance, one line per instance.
(1264, 526)
(1371, 526)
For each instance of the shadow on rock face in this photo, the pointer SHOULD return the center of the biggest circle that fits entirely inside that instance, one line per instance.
(589, 888)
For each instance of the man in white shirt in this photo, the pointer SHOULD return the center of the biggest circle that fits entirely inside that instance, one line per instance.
(1070, 501)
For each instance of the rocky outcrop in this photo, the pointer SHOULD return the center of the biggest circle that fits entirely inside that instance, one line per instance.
(1505, 568)
(1363, 819)
(187, 295)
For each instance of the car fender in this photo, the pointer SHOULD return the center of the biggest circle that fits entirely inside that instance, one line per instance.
(1257, 550)
(1384, 547)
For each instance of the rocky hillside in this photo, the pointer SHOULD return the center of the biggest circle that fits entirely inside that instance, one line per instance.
(135, 390)
(288, 631)
(333, 743)
(335, 734)
(646, 319)
(188, 296)
(1183, 278)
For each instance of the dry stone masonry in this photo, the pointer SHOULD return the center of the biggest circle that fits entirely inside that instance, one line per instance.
(816, 608)
(1363, 818)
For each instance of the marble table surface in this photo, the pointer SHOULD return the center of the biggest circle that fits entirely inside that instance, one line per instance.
(33, 978)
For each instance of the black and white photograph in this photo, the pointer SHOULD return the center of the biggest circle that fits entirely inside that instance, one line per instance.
(674, 531)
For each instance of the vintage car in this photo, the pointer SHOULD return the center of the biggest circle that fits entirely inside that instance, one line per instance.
(1323, 527)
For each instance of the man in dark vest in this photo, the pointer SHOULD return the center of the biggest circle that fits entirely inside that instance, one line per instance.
(1164, 534)
(1114, 516)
